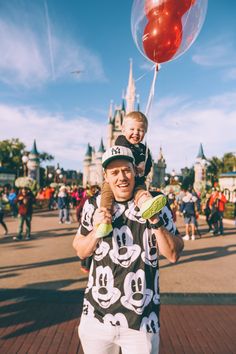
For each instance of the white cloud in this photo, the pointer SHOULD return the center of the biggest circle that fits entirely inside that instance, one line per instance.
(177, 124)
(31, 54)
(66, 140)
(181, 130)
(230, 74)
(218, 53)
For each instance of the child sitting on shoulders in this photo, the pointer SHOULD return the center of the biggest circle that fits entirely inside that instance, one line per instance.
(134, 128)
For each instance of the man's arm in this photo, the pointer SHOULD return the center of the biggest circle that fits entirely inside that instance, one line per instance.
(86, 245)
(169, 245)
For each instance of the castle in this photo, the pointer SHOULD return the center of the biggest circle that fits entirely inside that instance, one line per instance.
(92, 163)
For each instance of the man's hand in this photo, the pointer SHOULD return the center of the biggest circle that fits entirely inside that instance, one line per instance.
(101, 216)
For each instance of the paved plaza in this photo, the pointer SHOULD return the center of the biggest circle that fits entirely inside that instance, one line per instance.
(42, 291)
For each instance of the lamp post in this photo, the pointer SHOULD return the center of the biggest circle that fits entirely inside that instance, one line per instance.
(25, 159)
(166, 178)
(57, 174)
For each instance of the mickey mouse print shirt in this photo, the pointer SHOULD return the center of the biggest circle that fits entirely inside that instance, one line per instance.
(123, 284)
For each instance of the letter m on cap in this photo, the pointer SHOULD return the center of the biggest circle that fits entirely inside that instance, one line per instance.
(115, 151)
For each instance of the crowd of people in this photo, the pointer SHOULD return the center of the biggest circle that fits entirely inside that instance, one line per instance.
(20, 202)
(191, 205)
(187, 204)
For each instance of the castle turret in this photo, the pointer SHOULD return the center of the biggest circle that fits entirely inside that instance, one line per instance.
(99, 170)
(130, 93)
(159, 170)
(33, 164)
(110, 125)
(86, 165)
(200, 171)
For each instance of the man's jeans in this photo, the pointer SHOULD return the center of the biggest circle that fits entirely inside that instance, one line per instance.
(64, 215)
(99, 338)
(27, 220)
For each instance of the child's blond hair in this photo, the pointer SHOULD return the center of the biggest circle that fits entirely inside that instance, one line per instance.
(138, 116)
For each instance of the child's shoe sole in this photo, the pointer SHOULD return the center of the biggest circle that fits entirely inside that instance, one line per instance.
(153, 206)
(103, 230)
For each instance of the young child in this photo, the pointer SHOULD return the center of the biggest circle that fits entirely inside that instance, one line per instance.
(134, 127)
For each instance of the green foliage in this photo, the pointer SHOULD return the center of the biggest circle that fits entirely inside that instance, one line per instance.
(188, 177)
(220, 165)
(11, 152)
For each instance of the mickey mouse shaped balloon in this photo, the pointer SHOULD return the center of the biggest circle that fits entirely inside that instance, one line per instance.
(164, 29)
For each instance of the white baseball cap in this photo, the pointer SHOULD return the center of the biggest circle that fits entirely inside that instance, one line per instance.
(117, 152)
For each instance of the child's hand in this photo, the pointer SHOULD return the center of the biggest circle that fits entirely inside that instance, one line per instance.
(140, 168)
(101, 216)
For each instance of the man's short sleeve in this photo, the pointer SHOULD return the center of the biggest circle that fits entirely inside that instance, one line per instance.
(167, 217)
(87, 218)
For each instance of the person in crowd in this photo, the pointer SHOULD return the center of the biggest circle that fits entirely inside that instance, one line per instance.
(3, 202)
(12, 198)
(135, 125)
(173, 205)
(122, 299)
(25, 201)
(207, 211)
(217, 205)
(63, 202)
(40, 197)
(188, 208)
(234, 202)
(49, 196)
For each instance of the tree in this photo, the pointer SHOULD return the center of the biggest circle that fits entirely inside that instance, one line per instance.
(188, 177)
(229, 162)
(11, 152)
(217, 166)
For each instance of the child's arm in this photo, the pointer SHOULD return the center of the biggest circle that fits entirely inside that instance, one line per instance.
(148, 163)
(122, 141)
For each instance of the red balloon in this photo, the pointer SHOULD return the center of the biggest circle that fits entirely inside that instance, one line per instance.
(162, 37)
(179, 7)
(153, 8)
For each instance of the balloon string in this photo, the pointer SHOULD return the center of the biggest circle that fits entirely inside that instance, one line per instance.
(149, 103)
(140, 77)
(152, 90)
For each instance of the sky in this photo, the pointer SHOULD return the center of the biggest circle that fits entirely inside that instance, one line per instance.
(43, 41)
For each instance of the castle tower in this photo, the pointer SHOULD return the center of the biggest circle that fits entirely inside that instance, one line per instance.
(159, 171)
(86, 166)
(33, 164)
(130, 93)
(99, 170)
(110, 125)
(200, 171)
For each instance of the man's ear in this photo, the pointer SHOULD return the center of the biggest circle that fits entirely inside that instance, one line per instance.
(105, 176)
(135, 170)
(122, 128)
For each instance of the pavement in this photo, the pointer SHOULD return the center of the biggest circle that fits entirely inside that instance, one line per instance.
(48, 261)
(42, 287)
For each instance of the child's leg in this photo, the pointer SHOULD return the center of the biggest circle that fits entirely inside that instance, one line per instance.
(107, 199)
(148, 205)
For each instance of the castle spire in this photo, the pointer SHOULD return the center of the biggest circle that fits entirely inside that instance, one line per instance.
(201, 153)
(138, 102)
(110, 112)
(101, 147)
(130, 93)
(34, 150)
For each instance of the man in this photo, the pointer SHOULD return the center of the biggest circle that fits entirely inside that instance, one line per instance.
(217, 205)
(188, 207)
(25, 201)
(122, 301)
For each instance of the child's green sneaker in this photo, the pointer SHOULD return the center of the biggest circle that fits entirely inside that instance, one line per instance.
(103, 230)
(152, 206)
